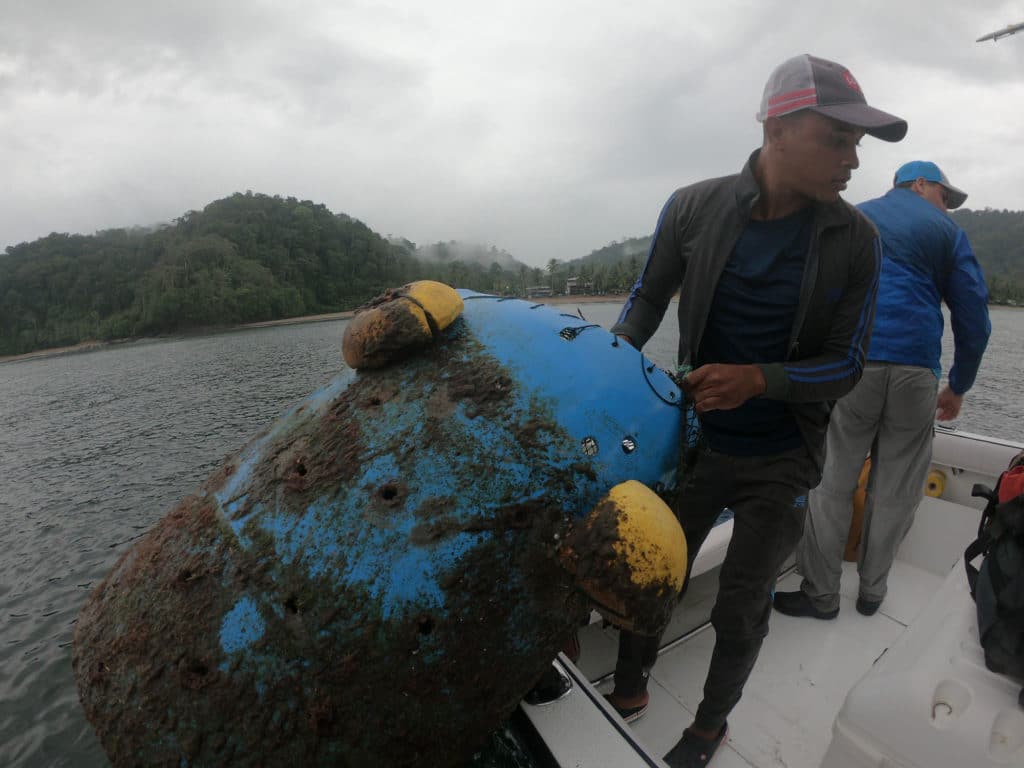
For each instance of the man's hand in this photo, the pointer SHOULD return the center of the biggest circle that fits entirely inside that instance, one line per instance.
(723, 387)
(948, 405)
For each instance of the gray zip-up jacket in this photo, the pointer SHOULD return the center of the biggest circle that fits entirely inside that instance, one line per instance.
(696, 233)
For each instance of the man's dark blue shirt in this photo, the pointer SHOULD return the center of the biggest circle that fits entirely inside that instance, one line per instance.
(751, 321)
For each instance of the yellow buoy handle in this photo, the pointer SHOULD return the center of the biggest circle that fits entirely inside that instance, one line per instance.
(440, 303)
(629, 557)
(399, 322)
(650, 538)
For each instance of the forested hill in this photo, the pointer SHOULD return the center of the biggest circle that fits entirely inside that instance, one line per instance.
(245, 258)
(252, 257)
(997, 238)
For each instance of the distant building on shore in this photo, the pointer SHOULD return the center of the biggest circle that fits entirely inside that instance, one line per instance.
(574, 286)
(538, 291)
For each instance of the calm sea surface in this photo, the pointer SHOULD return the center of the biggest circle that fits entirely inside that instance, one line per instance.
(96, 447)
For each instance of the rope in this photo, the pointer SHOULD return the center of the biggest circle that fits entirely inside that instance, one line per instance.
(571, 332)
(649, 370)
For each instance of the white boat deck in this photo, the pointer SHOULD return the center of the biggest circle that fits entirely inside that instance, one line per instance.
(807, 667)
(801, 679)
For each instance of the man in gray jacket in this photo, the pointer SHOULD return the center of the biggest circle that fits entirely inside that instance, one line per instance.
(777, 278)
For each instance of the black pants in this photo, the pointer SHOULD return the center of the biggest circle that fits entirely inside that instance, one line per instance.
(768, 496)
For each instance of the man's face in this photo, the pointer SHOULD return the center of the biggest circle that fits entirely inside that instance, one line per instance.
(933, 192)
(817, 155)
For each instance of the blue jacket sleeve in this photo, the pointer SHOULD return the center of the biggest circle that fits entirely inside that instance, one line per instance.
(966, 295)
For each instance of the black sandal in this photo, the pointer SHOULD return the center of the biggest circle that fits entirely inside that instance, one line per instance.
(694, 752)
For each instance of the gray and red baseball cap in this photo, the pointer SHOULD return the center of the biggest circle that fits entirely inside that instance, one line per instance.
(828, 88)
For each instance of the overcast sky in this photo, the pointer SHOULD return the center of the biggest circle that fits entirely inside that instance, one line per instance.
(547, 129)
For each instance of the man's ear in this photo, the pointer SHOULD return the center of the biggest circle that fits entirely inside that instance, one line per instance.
(776, 129)
(773, 129)
(774, 132)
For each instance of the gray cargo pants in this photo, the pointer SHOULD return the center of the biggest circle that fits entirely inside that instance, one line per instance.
(890, 413)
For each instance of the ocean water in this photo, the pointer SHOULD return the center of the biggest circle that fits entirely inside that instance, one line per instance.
(96, 447)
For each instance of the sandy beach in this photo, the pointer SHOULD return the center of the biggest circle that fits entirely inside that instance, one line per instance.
(89, 346)
(84, 346)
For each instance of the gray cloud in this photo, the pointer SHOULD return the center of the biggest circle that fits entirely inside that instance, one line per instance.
(547, 130)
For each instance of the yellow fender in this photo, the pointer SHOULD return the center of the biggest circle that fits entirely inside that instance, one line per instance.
(935, 484)
(629, 558)
(851, 552)
(398, 323)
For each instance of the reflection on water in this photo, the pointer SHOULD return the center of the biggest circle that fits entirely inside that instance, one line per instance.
(94, 448)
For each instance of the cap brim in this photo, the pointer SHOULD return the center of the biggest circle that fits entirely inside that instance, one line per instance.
(954, 197)
(875, 122)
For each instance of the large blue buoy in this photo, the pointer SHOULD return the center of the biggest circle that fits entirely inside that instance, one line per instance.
(380, 576)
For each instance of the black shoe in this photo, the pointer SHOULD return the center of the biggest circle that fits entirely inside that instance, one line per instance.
(867, 607)
(553, 685)
(799, 604)
(693, 751)
(629, 714)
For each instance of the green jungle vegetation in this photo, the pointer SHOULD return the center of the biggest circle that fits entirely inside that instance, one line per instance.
(997, 238)
(253, 257)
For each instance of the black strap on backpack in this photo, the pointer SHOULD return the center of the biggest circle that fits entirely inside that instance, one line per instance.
(981, 544)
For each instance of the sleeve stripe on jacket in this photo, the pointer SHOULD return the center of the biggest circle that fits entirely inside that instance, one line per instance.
(853, 362)
(650, 254)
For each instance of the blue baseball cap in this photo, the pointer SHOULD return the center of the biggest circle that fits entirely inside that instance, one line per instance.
(922, 169)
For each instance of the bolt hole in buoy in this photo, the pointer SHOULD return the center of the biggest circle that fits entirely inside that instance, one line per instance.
(425, 624)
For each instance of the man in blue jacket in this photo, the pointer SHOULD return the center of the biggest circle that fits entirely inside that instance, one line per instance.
(926, 260)
(777, 278)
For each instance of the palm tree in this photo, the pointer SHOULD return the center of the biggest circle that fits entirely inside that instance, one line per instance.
(552, 267)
